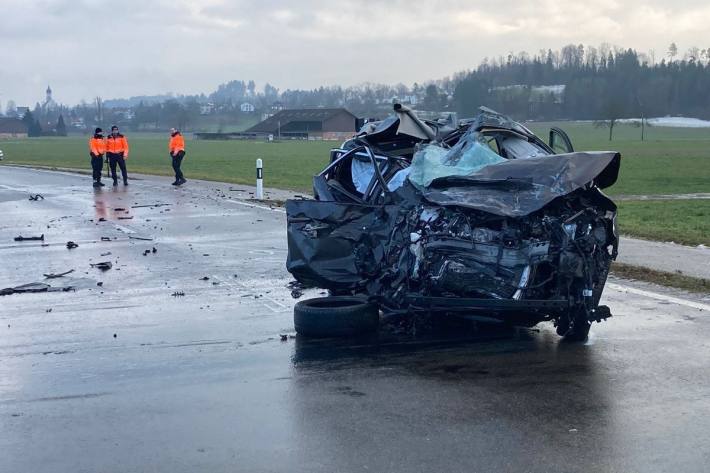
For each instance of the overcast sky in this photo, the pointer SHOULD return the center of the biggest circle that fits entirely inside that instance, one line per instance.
(119, 48)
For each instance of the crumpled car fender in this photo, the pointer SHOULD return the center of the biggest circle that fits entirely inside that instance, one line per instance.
(336, 245)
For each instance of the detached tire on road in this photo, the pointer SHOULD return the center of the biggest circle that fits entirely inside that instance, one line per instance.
(339, 316)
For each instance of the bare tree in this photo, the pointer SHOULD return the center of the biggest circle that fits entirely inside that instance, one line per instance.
(672, 51)
(693, 54)
(10, 108)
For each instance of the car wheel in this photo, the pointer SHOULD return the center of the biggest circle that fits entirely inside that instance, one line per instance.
(339, 316)
(578, 329)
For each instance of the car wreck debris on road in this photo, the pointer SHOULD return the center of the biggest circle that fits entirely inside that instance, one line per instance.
(58, 275)
(481, 218)
(103, 266)
(32, 238)
(33, 287)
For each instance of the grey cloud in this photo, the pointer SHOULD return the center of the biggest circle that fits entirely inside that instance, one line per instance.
(89, 47)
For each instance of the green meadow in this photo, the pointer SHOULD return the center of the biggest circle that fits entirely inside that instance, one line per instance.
(668, 161)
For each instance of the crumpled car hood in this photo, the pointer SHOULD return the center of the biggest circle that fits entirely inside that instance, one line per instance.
(517, 188)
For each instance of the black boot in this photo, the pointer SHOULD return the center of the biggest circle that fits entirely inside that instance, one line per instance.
(97, 184)
(115, 182)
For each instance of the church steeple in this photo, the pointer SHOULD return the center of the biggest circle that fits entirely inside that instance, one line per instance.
(49, 94)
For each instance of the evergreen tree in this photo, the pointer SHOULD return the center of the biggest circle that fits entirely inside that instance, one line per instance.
(33, 127)
(61, 127)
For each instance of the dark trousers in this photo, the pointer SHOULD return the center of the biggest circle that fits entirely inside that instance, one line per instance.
(97, 165)
(117, 158)
(177, 162)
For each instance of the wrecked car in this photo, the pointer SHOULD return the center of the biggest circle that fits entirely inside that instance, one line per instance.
(480, 218)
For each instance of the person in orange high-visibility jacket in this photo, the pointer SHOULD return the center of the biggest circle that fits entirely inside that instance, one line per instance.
(97, 148)
(177, 152)
(117, 153)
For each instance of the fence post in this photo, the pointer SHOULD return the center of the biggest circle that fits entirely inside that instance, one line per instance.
(259, 179)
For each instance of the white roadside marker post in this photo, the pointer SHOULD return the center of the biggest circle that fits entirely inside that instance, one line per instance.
(259, 179)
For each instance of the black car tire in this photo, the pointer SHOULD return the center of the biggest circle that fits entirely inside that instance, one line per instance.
(579, 330)
(339, 316)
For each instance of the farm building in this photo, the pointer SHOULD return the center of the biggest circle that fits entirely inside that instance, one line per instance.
(309, 123)
(12, 128)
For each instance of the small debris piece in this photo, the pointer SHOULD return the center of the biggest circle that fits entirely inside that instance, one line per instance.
(100, 283)
(139, 238)
(36, 197)
(115, 336)
(33, 287)
(149, 205)
(71, 245)
(125, 218)
(154, 250)
(283, 337)
(58, 275)
(146, 252)
(108, 253)
(204, 278)
(178, 294)
(120, 209)
(102, 219)
(48, 310)
(103, 266)
(296, 289)
(33, 238)
(105, 239)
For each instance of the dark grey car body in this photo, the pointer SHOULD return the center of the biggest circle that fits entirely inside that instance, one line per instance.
(525, 239)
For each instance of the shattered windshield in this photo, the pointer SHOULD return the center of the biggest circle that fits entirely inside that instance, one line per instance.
(469, 155)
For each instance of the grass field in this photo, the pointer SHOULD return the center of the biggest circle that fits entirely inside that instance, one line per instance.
(681, 221)
(669, 161)
(287, 164)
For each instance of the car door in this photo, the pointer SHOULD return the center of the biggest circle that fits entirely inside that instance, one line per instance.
(336, 245)
(560, 142)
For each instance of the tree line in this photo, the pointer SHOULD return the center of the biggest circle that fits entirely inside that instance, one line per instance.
(575, 82)
(597, 83)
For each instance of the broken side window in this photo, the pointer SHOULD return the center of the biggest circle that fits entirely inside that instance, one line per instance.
(518, 148)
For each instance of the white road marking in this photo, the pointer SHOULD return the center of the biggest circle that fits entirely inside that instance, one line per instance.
(257, 206)
(124, 229)
(262, 300)
(658, 297)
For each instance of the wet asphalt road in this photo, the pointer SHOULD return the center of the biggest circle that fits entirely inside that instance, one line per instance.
(202, 382)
